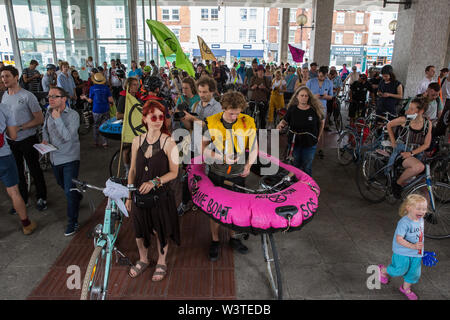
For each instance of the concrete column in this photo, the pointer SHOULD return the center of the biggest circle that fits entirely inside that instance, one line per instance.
(132, 14)
(320, 41)
(421, 39)
(282, 53)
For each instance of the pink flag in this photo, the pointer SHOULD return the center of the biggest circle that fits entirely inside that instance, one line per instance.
(297, 54)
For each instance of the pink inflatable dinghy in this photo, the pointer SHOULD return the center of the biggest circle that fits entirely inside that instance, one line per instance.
(288, 209)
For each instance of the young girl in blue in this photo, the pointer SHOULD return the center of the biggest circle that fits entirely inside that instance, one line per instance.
(407, 245)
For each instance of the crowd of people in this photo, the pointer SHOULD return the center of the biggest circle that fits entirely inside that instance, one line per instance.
(217, 98)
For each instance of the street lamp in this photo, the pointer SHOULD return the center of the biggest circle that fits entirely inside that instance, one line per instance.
(301, 21)
(393, 26)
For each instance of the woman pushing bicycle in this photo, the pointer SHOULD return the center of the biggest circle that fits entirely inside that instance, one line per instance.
(411, 139)
(306, 119)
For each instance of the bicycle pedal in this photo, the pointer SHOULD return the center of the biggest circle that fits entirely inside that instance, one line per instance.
(124, 261)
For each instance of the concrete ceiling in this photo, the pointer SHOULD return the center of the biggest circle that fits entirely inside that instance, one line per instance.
(361, 5)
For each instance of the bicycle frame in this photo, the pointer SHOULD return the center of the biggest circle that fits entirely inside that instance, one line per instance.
(106, 240)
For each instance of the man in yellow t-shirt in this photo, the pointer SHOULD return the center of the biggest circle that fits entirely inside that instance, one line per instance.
(231, 134)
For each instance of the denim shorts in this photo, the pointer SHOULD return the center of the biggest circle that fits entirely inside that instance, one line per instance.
(407, 267)
(8, 171)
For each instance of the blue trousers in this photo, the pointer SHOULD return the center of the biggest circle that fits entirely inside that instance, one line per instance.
(64, 173)
(303, 158)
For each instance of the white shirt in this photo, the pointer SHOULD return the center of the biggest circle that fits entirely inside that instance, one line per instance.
(423, 86)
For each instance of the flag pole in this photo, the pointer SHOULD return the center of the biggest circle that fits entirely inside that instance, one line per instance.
(121, 140)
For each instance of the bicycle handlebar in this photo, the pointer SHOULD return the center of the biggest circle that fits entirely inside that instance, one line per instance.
(285, 178)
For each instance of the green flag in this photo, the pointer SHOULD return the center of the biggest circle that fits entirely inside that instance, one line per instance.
(168, 43)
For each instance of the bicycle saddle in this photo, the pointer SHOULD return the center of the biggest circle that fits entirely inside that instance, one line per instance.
(286, 212)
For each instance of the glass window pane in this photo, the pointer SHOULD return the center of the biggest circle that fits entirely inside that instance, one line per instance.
(108, 50)
(141, 52)
(140, 20)
(165, 14)
(41, 51)
(112, 23)
(205, 14)
(76, 53)
(175, 14)
(31, 18)
(244, 14)
(71, 19)
(214, 14)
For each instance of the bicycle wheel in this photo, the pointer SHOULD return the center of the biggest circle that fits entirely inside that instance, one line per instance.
(346, 147)
(437, 221)
(273, 264)
(338, 122)
(94, 278)
(370, 178)
(114, 164)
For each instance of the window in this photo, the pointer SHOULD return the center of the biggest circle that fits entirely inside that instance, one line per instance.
(252, 35)
(214, 14)
(338, 37)
(244, 14)
(357, 38)
(119, 23)
(118, 8)
(165, 14)
(204, 34)
(340, 18)
(376, 38)
(176, 32)
(377, 21)
(175, 14)
(391, 42)
(291, 36)
(359, 18)
(292, 15)
(214, 35)
(242, 35)
(205, 14)
(252, 14)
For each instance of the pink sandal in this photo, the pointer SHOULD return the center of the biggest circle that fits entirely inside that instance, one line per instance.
(410, 295)
(383, 279)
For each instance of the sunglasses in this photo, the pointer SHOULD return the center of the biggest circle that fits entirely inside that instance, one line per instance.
(155, 118)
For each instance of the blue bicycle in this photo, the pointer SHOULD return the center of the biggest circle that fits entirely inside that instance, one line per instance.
(95, 283)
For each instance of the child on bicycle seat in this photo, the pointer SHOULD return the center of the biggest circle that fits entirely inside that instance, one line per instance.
(412, 138)
(407, 245)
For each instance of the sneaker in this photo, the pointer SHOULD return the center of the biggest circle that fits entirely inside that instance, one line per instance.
(41, 204)
(30, 228)
(214, 250)
(237, 245)
(71, 229)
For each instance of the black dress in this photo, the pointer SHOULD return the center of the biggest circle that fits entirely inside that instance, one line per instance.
(162, 218)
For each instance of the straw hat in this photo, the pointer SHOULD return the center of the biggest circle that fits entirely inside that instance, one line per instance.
(98, 78)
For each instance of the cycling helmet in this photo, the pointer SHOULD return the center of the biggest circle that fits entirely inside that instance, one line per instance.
(51, 66)
(152, 83)
(120, 74)
(100, 69)
(94, 70)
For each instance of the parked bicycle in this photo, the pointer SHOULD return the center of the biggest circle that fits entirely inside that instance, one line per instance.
(374, 178)
(253, 110)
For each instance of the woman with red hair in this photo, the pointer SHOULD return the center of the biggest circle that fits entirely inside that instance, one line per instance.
(154, 162)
